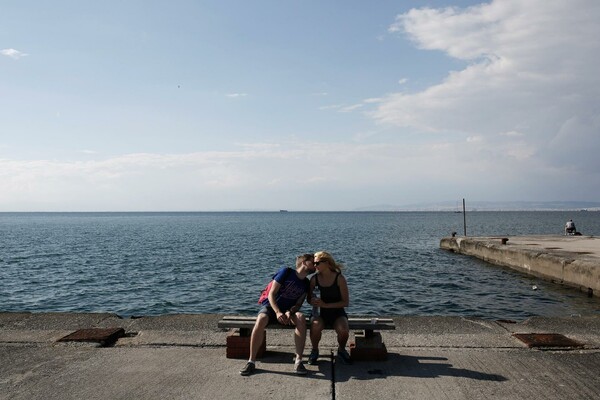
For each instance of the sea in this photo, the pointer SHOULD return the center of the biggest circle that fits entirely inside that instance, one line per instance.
(139, 264)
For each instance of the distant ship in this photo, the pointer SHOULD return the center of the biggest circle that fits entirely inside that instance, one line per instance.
(283, 210)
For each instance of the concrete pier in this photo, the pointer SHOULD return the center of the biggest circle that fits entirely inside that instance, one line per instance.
(183, 357)
(570, 260)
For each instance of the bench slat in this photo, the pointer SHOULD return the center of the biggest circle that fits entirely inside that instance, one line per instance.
(350, 319)
(354, 323)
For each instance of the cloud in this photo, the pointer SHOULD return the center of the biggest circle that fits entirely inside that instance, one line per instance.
(12, 53)
(512, 133)
(473, 139)
(344, 108)
(530, 75)
(259, 146)
(299, 175)
(235, 95)
(372, 100)
(303, 175)
(350, 108)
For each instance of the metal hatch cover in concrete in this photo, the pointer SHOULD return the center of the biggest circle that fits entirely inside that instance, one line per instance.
(547, 340)
(104, 336)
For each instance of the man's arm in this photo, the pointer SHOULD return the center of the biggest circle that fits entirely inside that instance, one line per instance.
(281, 317)
(296, 307)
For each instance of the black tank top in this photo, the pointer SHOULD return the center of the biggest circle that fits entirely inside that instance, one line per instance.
(330, 294)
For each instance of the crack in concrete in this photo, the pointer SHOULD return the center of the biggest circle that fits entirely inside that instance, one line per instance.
(332, 376)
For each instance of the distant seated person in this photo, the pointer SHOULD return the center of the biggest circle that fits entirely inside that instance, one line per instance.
(570, 227)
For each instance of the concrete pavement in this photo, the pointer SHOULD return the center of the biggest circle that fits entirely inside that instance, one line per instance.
(183, 357)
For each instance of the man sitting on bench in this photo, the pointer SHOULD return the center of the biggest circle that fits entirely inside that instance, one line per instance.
(288, 291)
(570, 227)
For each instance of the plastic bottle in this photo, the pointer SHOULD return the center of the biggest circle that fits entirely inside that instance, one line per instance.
(316, 295)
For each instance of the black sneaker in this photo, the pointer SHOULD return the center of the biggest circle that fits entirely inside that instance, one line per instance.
(313, 357)
(344, 356)
(300, 369)
(248, 369)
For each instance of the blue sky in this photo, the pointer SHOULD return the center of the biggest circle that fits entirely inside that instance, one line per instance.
(302, 105)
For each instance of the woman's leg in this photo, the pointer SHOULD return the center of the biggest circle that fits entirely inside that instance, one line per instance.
(316, 328)
(343, 331)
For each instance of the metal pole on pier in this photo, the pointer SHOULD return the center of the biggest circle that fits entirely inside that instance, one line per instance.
(464, 218)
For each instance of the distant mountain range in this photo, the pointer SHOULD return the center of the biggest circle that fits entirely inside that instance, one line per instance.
(490, 206)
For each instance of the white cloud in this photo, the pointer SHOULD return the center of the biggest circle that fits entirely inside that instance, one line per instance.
(300, 175)
(345, 108)
(351, 108)
(259, 146)
(531, 75)
(472, 139)
(373, 100)
(361, 136)
(305, 175)
(511, 133)
(235, 95)
(12, 53)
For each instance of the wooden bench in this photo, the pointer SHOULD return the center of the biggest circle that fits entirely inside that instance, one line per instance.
(368, 345)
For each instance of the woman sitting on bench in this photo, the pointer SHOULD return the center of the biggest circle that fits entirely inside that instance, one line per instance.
(334, 297)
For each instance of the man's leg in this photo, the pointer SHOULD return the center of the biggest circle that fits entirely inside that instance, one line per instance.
(256, 339)
(299, 334)
(299, 339)
(258, 334)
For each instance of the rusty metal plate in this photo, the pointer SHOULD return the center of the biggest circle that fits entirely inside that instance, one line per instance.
(104, 336)
(547, 340)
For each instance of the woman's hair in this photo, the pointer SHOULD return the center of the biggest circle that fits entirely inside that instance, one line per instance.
(323, 255)
(302, 258)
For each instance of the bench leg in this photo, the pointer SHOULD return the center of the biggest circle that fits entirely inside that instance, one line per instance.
(368, 346)
(238, 344)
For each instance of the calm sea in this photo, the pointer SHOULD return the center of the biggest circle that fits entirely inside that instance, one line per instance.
(158, 263)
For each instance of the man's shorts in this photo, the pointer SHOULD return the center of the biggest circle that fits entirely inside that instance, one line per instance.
(270, 313)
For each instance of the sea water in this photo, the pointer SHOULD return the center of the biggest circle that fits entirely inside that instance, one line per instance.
(156, 263)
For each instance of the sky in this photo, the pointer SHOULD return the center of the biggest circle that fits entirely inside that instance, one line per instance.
(301, 105)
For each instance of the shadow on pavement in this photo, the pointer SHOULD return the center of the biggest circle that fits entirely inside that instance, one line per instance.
(409, 366)
(282, 363)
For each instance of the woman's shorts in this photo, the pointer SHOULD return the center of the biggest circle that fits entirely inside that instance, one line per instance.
(329, 315)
